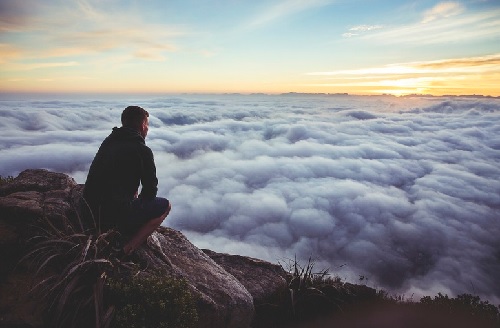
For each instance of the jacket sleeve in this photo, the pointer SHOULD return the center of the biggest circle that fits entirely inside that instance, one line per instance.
(149, 180)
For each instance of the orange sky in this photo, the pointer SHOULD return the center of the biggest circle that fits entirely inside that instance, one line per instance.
(360, 47)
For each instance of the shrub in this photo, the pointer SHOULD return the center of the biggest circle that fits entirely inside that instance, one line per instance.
(73, 266)
(312, 293)
(147, 301)
(77, 267)
(464, 305)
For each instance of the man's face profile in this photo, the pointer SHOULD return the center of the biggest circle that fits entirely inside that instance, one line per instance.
(144, 127)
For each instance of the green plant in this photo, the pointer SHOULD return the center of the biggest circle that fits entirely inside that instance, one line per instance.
(73, 265)
(150, 301)
(311, 293)
(73, 272)
(83, 283)
(464, 305)
(315, 299)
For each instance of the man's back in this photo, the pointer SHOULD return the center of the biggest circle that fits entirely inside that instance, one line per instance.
(121, 164)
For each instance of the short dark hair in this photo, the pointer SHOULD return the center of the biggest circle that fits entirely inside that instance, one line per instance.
(133, 116)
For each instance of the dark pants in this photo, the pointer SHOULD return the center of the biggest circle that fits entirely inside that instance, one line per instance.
(142, 211)
(127, 218)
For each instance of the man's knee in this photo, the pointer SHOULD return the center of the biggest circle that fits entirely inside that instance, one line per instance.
(167, 211)
(157, 221)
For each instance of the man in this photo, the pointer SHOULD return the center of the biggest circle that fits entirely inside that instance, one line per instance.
(122, 162)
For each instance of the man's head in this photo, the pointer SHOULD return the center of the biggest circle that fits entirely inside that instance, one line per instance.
(136, 118)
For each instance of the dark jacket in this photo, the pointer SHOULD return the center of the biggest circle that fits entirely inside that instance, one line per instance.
(122, 162)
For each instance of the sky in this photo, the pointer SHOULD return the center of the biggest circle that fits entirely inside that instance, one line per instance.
(404, 191)
(224, 46)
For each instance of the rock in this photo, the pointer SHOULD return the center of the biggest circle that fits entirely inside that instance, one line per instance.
(226, 286)
(223, 300)
(33, 195)
(38, 180)
(266, 283)
(260, 278)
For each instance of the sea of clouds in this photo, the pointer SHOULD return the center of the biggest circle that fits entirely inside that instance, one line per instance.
(402, 191)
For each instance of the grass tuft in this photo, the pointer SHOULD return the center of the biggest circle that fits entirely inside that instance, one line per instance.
(151, 301)
(313, 298)
(72, 266)
(82, 282)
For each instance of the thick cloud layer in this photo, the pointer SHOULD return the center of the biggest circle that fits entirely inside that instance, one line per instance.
(404, 191)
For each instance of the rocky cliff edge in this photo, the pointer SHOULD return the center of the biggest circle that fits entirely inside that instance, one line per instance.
(226, 286)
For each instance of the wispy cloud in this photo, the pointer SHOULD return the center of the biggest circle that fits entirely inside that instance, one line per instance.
(463, 65)
(80, 28)
(8, 52)
(357, 30)
(443, 10)
(149, 55)
(364, 28)
(32, 66)
(16, 16)
(420, 76)
(144, 40)
(472, 63)
(445, 22)
(283, 9)
(123, 30)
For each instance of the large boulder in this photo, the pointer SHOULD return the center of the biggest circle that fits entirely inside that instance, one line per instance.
(260, 278)
(34, 194)
(225, 288)
(222, 300)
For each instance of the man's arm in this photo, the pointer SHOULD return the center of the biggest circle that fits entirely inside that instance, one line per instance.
(148, 175)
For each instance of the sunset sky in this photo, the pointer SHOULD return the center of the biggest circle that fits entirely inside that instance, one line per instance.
(156, 46)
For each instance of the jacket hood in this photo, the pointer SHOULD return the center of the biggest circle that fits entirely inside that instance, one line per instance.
(124, 133)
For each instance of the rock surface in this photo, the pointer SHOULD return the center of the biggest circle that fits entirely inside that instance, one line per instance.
(226, 285)
(259, 277)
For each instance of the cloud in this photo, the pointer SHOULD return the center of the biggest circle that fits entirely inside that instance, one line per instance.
(446, 23)
(84, 28)
(479, 64)
(349, 34)
(357, 30)
(15, 16)
(32, 66)
(8, 52)
(149, 55)
(405, 191)
(364, 28)
(443, 10)
(423, 76)
(284, 8)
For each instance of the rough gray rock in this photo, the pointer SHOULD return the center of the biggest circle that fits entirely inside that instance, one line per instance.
(34, 194)
(226, 290)
(260, 278)
(223, 300)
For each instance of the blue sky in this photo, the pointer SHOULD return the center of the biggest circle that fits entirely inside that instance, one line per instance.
(365, 47)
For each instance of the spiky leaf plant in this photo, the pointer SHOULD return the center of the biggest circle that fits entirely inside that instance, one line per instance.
(310, 292)
(73, 265)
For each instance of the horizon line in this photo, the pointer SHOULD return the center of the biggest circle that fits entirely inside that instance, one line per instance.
(290, 93)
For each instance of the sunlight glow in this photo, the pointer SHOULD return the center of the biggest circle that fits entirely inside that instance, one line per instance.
(473, 75)
(437, 47)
